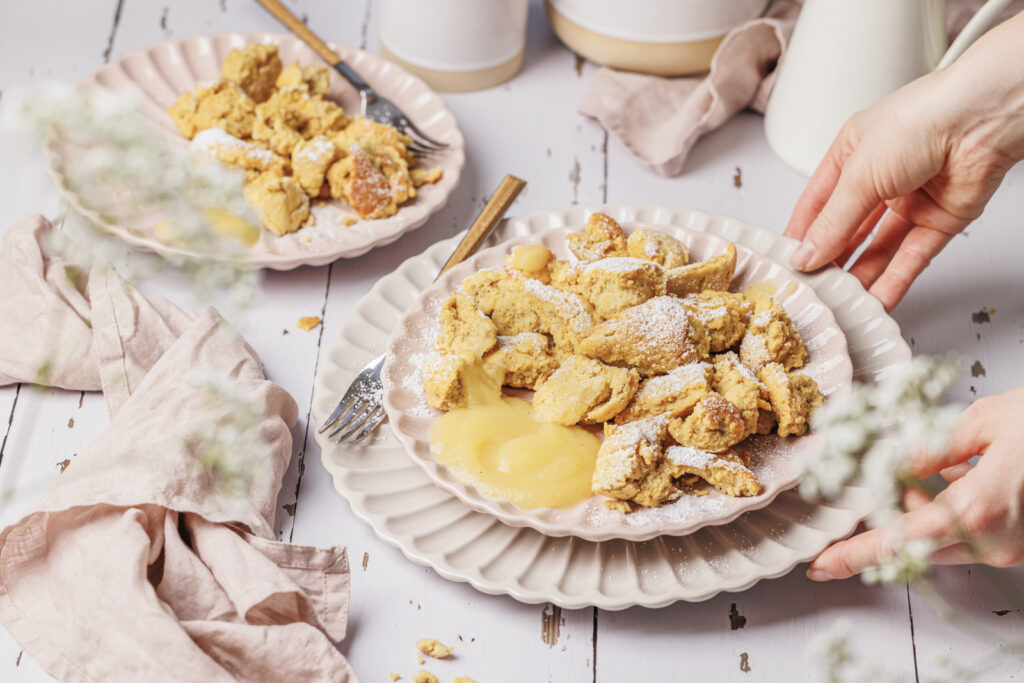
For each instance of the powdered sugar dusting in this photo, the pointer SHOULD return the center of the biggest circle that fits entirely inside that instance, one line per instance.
(211, 140)
(620, 264)
(570, 305)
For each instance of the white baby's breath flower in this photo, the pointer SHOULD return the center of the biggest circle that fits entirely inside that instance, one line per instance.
(231, 454)
(873, 431)
(122, 165)
(832, 651)
(907, 562)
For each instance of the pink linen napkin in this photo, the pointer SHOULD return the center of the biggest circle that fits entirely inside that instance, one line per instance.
(660, 119)
(130, 568)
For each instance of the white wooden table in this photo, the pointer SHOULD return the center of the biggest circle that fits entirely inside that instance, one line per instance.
(528, 127)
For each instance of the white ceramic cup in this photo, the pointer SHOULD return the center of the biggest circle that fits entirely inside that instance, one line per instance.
(455, 44)
(845, 55)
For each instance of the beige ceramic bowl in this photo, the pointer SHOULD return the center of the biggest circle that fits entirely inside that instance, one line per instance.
(661, 37)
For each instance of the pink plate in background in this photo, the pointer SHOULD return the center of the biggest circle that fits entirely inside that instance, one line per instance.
(162, 72)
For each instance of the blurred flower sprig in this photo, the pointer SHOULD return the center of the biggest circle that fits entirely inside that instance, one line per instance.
(120, 164)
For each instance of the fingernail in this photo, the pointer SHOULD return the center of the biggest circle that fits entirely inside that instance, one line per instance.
(819, 575)
(802, 256)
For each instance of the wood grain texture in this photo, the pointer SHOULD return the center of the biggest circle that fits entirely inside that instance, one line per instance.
(528, 127)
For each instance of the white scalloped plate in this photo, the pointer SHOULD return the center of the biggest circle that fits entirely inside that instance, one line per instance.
(432, 527)
(164, 71)
(775, 461)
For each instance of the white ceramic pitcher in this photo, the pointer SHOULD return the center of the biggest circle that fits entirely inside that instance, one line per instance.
(846, 54)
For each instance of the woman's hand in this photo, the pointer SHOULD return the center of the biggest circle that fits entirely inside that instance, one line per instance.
(978, 518)
(933, 153)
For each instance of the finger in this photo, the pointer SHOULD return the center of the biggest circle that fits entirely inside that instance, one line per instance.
(951, 474)
(852, 201)
(851, 557)
(958, 553)
(919, 247)
(862, 233)
(873, 261)
(914, 498)
(969, 438)
(817, 191)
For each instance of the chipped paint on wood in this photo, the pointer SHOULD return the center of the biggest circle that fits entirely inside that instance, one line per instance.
(366, 560)
(289, 508)
(736, 620)
(71, 423)
(744, 662)
(551, 623)
(574, 178)
(63, 465)
(977, 369)
(737, 178)
(982, 316)
(579, 65)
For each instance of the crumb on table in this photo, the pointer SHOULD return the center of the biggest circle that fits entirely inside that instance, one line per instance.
(308, 322)
(433, 648)
(423, 676)
(394, 676)
(464, 679)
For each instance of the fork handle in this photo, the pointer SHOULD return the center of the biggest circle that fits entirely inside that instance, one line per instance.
(296, 26)
(492, 212)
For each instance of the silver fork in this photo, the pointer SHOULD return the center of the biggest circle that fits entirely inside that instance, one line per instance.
(373, 106)
(361, 408)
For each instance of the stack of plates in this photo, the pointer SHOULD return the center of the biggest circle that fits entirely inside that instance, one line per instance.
(587, 555)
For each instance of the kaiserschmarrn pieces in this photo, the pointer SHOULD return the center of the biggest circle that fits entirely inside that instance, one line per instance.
(524, 359)
(292, 115)
(226, 148)
(714, 425)
(279, 202)
(465, 331)
(673, 394)
(317, 79)
(616, 283)
(518, 304)
(726, 471)
(772, 338)
(655, 245)
(583, 390)
(723, 315)
(360, 183)
(714, 274)
(262, 118)
(221, 104)
(677, 375)
(740, 387)
(794, 397)
(628, 455)
(310, 161)
(653, 337)
(603, 237)
(254, 68)
(443, 380)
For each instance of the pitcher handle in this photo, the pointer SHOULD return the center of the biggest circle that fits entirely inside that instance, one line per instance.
(978, 24)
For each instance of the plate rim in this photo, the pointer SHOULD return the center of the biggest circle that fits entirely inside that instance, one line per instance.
(52, 157)
(509, 513)
(849, 509)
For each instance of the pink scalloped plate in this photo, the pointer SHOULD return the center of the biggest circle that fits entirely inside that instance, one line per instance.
(164, 71)
(775, 459)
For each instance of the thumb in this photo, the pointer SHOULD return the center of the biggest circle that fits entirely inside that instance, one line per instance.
(850, 204)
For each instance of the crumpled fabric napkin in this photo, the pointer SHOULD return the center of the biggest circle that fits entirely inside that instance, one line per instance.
(130, 568)
(660, 119)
